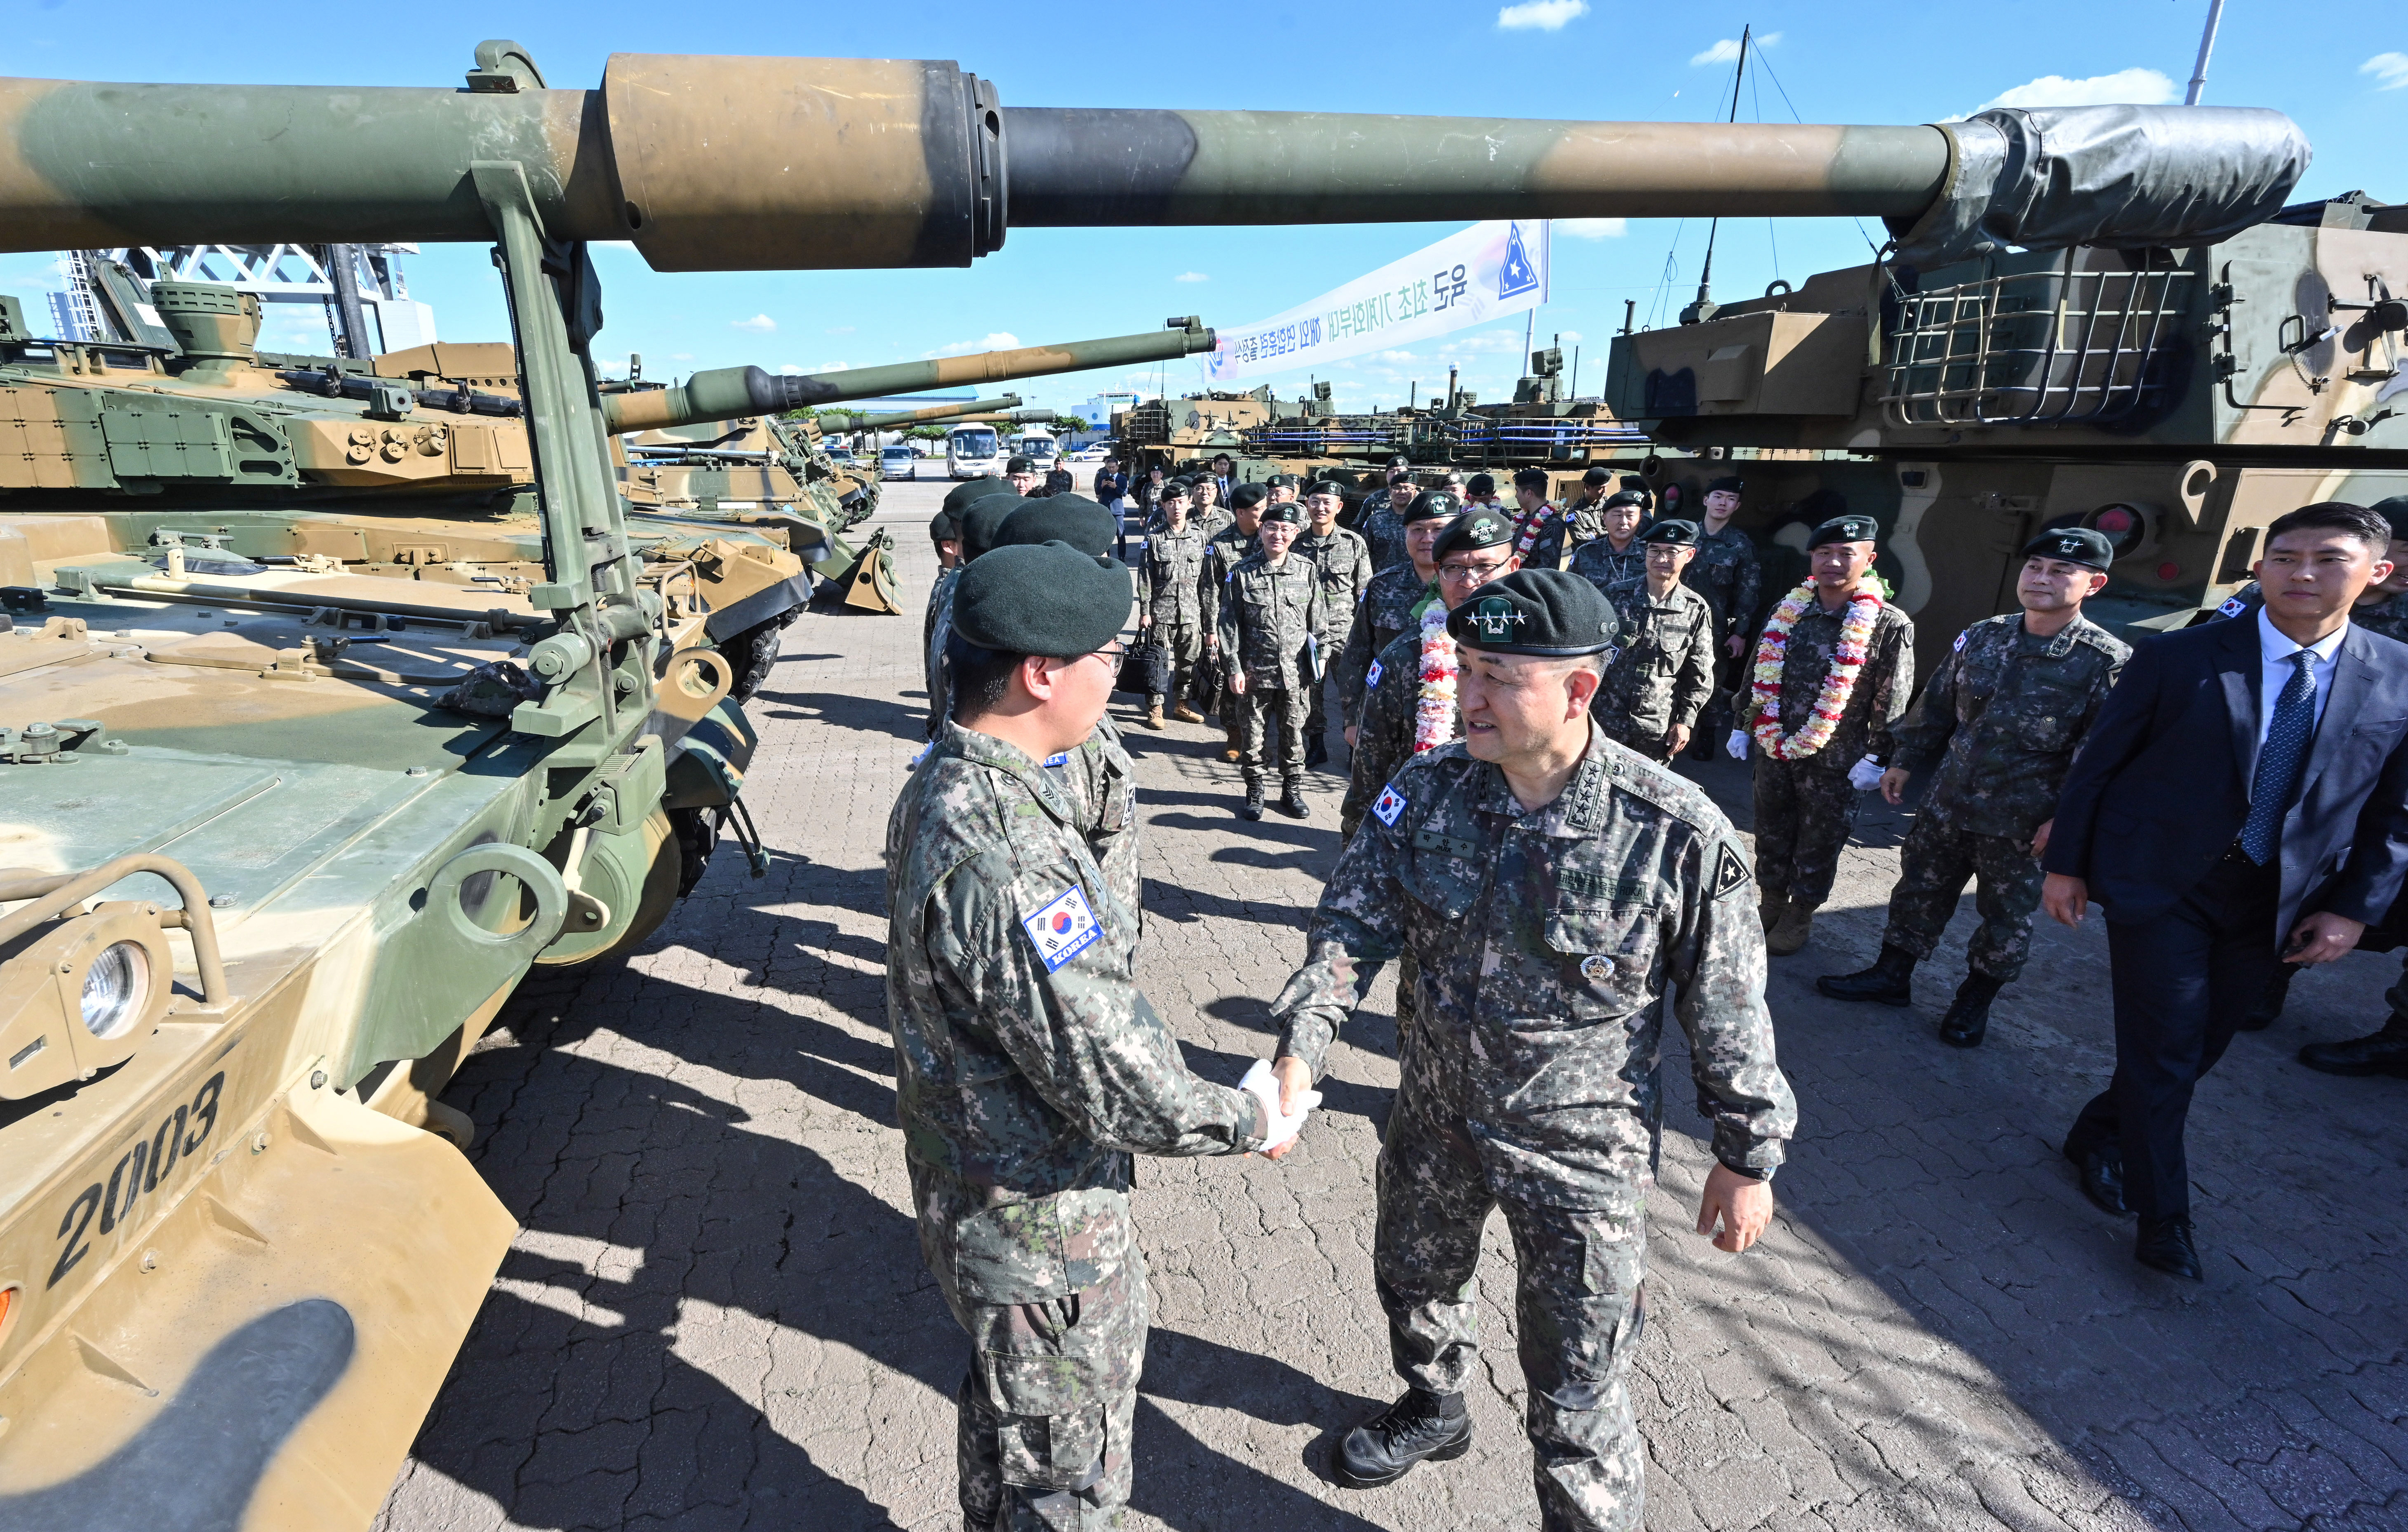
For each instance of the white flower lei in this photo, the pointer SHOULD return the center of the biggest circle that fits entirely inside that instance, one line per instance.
(1839, 683)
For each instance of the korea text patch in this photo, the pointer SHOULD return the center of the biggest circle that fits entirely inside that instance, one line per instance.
(1064, 928)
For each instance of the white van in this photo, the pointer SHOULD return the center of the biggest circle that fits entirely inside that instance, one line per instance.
(973, 452)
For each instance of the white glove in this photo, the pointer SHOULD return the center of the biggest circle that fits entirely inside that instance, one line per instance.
(1264, 1086)
(1865, 775)
(1736, 746)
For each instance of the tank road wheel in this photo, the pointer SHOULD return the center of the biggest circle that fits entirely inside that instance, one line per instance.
(753, 652)
(660, 857)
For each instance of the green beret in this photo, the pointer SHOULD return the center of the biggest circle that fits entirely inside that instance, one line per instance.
(1175, 488)
(1019, 465)
(1627, 497)
(1731, 484)
(1485, 530)
(944, 526)
(2074, 545)
(1678, 533)
(1286, 510)
(1247, 495)
(1072, 519)
(1536, 611)
(961, 496)
(1041, 598)
(1430, 504)
(982, 522)
(1842, 529)
(1327, 486)
(1282, 480)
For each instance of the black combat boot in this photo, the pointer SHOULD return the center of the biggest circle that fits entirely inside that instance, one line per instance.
(1384, 1448)
(1253, 809)
(2269, 1004)
(1889, 981)
(1291, 803)
(1316, 753)
(2385, 1052)
(1969, 1018)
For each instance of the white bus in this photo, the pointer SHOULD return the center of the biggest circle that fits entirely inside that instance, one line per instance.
(973, 452)
(1038, 445)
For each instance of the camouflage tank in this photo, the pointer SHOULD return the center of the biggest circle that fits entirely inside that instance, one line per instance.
(236, 1270)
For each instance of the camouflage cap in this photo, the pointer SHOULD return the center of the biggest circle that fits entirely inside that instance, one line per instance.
(1485, 529)
(1536, 611)
(1842, 529)
(1247, 495)
(963, 496)
(983, 522)
(1673, 530)
(2074, 545)
(1041, 598)
(1430, 504)
(1072, 519)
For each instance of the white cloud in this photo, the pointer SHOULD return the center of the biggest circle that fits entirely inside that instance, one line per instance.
(760, 324)
(1726, 49)
(2135, 87)
(1191, 277)
(2390, 71)
(1541, 15)
(681, 356)
(1568, 337)
(1001, 341)
(1593, 228)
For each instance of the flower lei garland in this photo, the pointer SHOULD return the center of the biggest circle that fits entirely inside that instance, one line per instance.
(1532, 525)
(1434, 713)
(1839, 683)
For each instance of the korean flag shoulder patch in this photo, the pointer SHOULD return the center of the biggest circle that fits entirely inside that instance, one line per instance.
(1063, 928)
(1729, 875)
(1958, 646)
(2232, 606)
(1371, 677)
(1391, 804)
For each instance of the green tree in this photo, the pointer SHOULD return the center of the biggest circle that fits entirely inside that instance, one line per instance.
(1069, 424)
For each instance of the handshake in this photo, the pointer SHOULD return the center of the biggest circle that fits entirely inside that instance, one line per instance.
(1265, 1087)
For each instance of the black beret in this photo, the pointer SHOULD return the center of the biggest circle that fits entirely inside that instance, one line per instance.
(1732, 483)
(1041, 598)
(1399, 461)
(1627, 497)
(1430, 505)
(1483, 529)
(944, 526)
(1327, 486)
(1683, 534)
(1247, 495)
(982, 524)
(2074, 545)
(1072, 519)
(1400, 475)
(960, 497)
(1177, 487)
(1598, 478)
(1534, 477)
(1286, 510)
(1536, 611)
(1282, 480)
(1481, 485)
(1842, 529)
(2395, 511)
(1019, 465)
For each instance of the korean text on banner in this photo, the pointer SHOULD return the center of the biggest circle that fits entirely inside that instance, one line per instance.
(1486, 272)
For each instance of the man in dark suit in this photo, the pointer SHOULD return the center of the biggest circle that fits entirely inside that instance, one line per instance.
(2243, 801)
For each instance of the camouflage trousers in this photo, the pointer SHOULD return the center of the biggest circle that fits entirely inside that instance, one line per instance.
(1257, 711)
(1047, 1405)
(1578, 1310)
(1316, 722)
(1804, 811)
(1933, 866)
(1182, 645)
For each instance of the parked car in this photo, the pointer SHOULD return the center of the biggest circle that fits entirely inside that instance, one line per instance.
(896, 462)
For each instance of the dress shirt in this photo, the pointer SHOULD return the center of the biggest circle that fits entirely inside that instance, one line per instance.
(2274, 651)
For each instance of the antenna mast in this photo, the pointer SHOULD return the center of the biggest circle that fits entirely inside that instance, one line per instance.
(2206, 45)
(1705, 306)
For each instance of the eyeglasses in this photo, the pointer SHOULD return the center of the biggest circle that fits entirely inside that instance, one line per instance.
(1110, 654)
(1473, 571)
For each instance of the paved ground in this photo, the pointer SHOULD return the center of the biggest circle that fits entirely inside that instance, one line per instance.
(717, 1316)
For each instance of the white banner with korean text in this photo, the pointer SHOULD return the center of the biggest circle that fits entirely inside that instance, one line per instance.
(1486, 272)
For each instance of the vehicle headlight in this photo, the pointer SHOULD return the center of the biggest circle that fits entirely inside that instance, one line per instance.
(115, 989)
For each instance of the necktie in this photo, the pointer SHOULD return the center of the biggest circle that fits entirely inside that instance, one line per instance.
(2279, 760)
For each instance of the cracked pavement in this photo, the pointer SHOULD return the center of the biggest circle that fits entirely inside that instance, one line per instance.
(716, 1315)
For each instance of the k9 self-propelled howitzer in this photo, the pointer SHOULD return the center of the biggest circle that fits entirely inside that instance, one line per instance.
(219, 1165)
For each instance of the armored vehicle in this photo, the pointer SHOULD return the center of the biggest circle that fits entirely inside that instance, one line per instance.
(235, 1269)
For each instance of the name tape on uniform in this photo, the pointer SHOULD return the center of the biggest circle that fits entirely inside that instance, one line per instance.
(1391, 804)
(1062, 759)
(1064, 928)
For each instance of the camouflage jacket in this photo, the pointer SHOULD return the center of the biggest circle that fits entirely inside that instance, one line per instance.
(1384, 740)
(1662, 668)
(1884, 687)
(1390, 605)
(1556, 545)
(1546, 941)
(1170, 576)
(1383, 533)
(2002, 718)
(1588, 518)
(1271, 621)
(1344, 560)
(940, 668)
(1224, 550)
(1601, 566)
(1028, 1066)
(1726, 572)
(941, 603)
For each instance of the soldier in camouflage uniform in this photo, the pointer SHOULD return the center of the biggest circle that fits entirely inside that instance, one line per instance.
(1393, 602)
(1028, 1066)
(1805, 806)
(2001, 719)
(1619, 555)
(1224, 550)
(1553, 888)
(1659, 678)
(1170, 608)
(1209, 515)
(981, 514)
(1271, 616)
(1729, 574)
(1585, 510)
(1543, 532)
(1344, 561)
(1381, 517)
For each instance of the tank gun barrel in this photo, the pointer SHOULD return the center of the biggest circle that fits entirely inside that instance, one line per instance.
(722, 393)
(758, 164)
(922, 416)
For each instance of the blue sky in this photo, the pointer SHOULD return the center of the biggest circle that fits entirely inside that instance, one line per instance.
(1846, 62)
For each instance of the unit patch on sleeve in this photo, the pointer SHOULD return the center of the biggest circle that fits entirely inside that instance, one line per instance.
(1730, 873)
(1064, 928)
(1391, 804)
(1371, 677)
